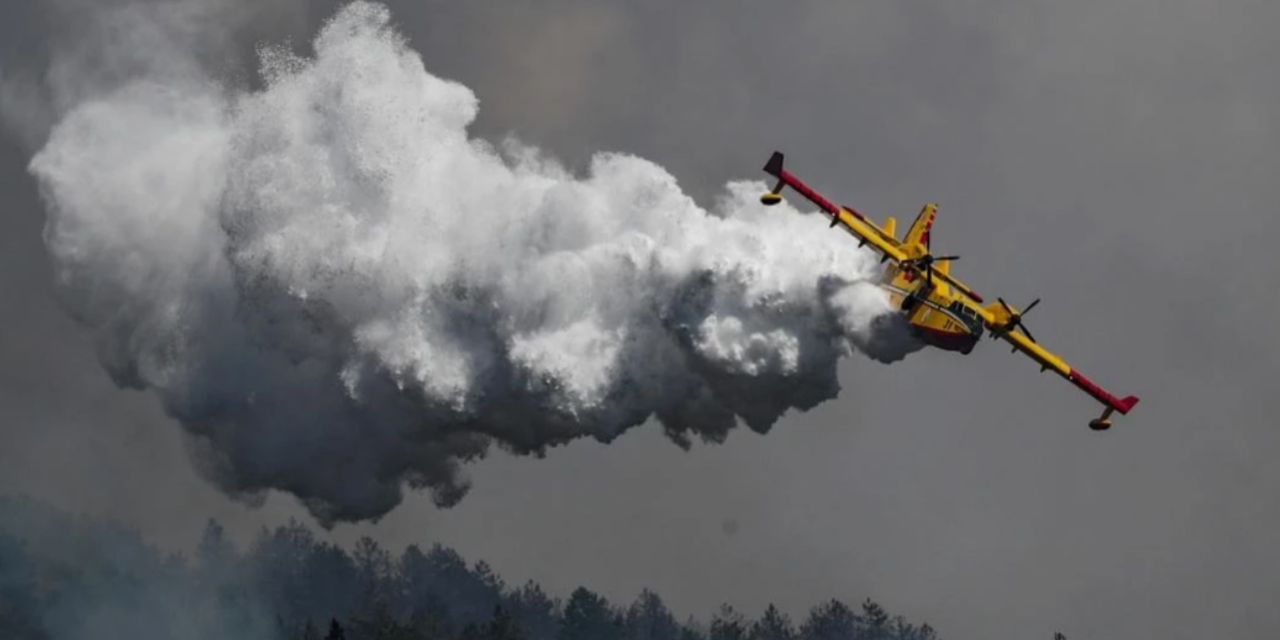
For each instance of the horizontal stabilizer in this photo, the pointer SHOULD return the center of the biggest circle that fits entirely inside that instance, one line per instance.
(891, 227)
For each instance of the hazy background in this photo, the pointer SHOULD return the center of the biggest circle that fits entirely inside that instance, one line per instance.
(1117, 159)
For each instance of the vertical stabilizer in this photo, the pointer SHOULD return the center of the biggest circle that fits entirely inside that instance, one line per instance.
(919, 231)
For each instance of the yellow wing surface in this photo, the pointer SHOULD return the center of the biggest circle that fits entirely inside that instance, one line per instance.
(1004, 321)
(867, 231)
(906, 253)
(913, 251)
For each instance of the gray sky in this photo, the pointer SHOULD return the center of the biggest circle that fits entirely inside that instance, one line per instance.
(1117, 159)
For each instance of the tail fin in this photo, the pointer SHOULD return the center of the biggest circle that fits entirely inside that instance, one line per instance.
(774, 166)
(1125, 405)
(919, 231)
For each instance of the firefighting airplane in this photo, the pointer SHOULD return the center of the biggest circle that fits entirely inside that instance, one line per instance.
(943, 312)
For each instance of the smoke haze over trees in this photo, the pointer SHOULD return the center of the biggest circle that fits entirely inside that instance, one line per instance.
(74, 578)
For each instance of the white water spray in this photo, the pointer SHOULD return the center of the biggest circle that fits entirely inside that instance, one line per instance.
(340, 293)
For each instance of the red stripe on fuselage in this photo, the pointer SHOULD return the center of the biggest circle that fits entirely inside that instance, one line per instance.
(946, 340)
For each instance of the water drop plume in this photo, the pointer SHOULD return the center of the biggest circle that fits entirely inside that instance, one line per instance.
(340, 293)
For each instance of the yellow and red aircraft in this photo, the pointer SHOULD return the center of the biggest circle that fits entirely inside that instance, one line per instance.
(943, 312)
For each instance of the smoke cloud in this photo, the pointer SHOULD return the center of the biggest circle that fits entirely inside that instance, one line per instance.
(339, 293)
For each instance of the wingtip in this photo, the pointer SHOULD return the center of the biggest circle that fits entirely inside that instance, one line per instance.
(774, 166)
(1124, 406)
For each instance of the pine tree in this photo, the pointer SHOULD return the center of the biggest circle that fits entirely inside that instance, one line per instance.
(649, 619)
(309, 631)
(876, 621)
(587, 617)
(832, 620)
(502, 627)
(728, 624)
(335, 631)
(774, 625)
(373, 568)
(538, 614)
(692, 630)
(471, 632)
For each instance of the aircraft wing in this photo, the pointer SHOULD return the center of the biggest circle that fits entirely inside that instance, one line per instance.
(856, 224)
(1000, 319)
(1003, 322)
(946, 277)
(853, 222)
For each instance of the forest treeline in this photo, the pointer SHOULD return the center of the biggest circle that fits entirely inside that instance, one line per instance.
(66, 577)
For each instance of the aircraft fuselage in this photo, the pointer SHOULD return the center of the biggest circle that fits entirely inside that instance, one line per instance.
(938, 318)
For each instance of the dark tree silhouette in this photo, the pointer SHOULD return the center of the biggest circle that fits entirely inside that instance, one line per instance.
(773, 625)
(728, 624)
(537, 613)
(649, 619)
(18, 602)
(502, 627)
(587, 617)
(376, 621)
(336, 631)
(214, 551)
(875, 621)
(57, 568)
(309, 631)
(692, 630)
(832, 620)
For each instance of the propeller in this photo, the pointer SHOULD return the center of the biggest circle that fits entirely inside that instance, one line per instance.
(1015, 319)
(926, 261)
